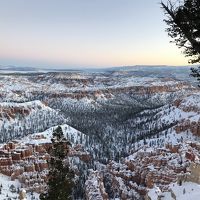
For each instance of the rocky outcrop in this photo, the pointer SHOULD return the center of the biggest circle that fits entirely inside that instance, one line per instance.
(94, 187)
(79, 152)
(190, 107)
(149, 167)
(193, 126)
(136, 90)
(28, 161)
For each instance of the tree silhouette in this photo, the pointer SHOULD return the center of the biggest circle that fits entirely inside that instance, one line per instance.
(183, 20)
(60, 183)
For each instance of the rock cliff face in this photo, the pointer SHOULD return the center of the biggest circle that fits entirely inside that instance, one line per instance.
(95, 187)
(26, 160)
(99, 86)
(111, 92)
(15, 110)
(187, 125)
(25, 163)
(150, 167)
(189, 106)
(20, 119)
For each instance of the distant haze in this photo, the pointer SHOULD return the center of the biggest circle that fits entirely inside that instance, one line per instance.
(85, 33)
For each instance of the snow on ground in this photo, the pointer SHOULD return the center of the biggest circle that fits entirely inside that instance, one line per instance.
(32, 106)
(36, 104)
(73, 135)
(187, 191)
(12, 83)
(191, 101)
(8, 191)
(176, 114)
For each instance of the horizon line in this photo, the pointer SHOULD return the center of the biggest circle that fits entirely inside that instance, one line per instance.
(6, 67)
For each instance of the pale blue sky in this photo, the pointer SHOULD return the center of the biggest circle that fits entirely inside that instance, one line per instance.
(97, 33)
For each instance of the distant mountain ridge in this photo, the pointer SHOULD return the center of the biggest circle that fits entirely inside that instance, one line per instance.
(115, 68)
(158, 71)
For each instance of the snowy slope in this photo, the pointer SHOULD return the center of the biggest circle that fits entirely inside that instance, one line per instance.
(19, 119)
(187, 191)
(73, 135)
(6, 191)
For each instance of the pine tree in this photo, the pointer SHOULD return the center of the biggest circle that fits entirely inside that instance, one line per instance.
(184, 26)
(183, 20)
(60, 183)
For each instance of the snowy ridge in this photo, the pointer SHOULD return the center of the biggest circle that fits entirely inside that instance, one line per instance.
(191, 101)
(19, 119)
(71, 134)
(36, 104)
(24, 88)
(170, 114)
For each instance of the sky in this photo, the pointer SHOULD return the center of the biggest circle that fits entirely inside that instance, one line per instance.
(85, 33)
